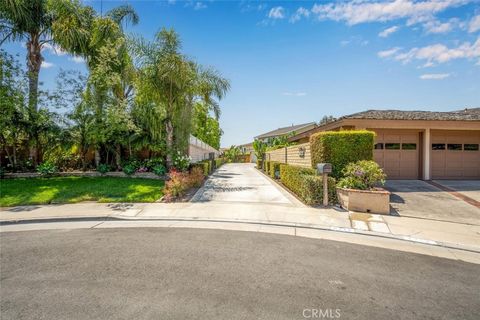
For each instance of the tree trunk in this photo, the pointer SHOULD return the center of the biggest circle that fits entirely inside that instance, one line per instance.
(34, 63)
(14, 157)
(169, 130)
(97, 157)
(118, 155)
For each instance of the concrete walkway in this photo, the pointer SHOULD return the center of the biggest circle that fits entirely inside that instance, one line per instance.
(242, 183)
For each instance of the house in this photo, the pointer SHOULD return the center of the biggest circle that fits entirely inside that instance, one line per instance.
(247, 148)
(285, 131)
(417, 144)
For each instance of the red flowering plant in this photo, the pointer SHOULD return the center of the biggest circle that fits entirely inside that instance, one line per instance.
(180, 182)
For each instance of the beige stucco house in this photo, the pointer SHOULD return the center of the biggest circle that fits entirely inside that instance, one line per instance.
(418, 144)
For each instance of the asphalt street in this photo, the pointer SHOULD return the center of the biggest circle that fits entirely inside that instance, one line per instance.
(172, 273)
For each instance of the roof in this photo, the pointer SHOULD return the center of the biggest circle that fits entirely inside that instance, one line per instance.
(472, 114)
(284, 130)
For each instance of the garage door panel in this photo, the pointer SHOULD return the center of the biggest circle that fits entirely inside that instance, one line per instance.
(456, 161)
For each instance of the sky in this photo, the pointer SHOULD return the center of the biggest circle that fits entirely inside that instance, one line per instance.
(292, 62)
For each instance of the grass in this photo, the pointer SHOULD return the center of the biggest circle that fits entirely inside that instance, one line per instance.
(15, 192)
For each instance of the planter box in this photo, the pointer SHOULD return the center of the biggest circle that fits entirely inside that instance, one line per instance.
(373, 201)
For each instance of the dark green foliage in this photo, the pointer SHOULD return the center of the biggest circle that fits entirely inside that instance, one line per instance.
(103, 168)
(306, 185)
(159, 170)
(341, 147)
(219, 162)
(129, 169)
(266, 165)
(47, 169)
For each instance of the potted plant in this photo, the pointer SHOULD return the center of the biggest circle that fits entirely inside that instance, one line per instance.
(360, 188)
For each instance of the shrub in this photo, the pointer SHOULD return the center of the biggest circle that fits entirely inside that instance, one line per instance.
(306, 185)
(46, 169)
(266, 165)
(274, 169)
(180, 182)
(103, 168)
(259, 164)
(204, 166)
(219, 162)
(341, 147)
(142, 169)
(154, 162)
(159, 169)
(362, 175)
(2, 172)
(129, 169)
(181, 162)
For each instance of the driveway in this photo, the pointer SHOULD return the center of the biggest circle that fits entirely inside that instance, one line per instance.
(243, 183)
(416, 198)
(158, 273)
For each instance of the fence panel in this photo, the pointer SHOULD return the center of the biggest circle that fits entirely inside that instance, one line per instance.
(298, 155)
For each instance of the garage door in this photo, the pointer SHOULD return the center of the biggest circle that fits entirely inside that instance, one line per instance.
(397, 152)
(455, 154)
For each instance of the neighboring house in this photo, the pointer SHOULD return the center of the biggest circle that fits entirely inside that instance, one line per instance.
(248, 149)
(293, 129)
(418, 144)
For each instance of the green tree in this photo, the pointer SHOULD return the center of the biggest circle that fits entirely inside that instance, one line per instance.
(206, 127)
(35, 22)
(174, 84)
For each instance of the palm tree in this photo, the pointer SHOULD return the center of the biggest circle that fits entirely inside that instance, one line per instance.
(34, 22)
(174, 83)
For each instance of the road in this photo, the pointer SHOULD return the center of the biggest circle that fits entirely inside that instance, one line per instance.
(170, 273)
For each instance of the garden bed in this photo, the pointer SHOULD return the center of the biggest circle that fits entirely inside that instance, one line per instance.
(30, 191)
(118, 174)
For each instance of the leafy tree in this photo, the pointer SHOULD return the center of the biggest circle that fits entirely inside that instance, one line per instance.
(327, 119)
(206, 127)
(13, 111)
(35, 22)
(233, 153)
(174, 83)
(260, 148)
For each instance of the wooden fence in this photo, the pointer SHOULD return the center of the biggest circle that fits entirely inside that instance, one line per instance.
(298, 155)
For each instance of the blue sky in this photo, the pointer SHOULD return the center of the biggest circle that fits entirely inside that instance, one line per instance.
(291, 62)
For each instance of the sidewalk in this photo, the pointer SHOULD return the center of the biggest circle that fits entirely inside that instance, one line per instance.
(452, 235)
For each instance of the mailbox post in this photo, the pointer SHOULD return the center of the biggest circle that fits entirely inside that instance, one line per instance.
(324, 169)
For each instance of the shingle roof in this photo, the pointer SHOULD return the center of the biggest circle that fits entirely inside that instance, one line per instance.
(472, 114)
(284, 130)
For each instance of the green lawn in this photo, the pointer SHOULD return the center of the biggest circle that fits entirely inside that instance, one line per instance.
(15, 192)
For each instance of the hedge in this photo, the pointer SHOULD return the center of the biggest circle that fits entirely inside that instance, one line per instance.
(259, 164)
(273, 167)
(266, 164)
(219, 162)
(341, 147)
(306, 185)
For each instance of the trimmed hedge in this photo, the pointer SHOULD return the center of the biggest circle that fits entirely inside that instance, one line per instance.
(266, 165)
(273, 167)
(341, 147)
(306, 185)
(219, 162)
(259, 164)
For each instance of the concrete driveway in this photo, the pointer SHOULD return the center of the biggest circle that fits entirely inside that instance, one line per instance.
(243, 183)
(419, 199)
(157, 273)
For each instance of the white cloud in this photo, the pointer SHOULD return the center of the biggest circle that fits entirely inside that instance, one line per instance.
(435, 26)
(56, 50)
(474, 24)
(385, 33)
(276, 13)
(295, 94)
(355, 12)
(388, 53)
(434, 76)
(47, 65)
(77, 59)
(436, 53)
(199, 6)
(299, 14)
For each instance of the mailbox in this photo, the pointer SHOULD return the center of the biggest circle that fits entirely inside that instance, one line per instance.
(324, 168)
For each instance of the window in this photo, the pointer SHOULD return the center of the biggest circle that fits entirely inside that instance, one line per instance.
(470, 147)
(409, 146)
(454, 146)
(378, 146)
(438, 146)
(392, 146)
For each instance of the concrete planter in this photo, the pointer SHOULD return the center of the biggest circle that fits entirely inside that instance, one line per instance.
(374, 201)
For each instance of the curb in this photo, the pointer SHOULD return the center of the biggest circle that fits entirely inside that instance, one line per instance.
(409, 239)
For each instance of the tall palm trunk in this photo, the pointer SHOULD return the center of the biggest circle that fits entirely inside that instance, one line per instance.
(169, 131)
(34, 63)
